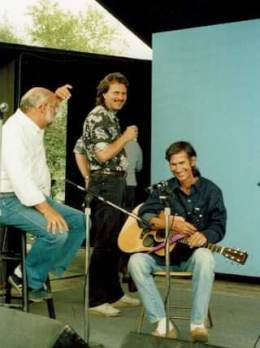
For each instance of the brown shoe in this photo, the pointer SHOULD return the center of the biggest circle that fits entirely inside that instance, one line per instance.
(200, 334)
(171, 334)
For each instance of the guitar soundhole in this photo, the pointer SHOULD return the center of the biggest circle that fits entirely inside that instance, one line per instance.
(159, 236)
(148, 241)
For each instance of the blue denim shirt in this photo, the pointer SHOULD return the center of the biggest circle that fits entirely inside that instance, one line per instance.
(204, 208)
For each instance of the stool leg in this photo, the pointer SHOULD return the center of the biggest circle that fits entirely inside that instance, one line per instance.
(25, 285)
(25, 297)
(8, 290)
(9, 265)
(141, 320)
(20, 257)
(6, 269)
(50, 303)
(210, 321)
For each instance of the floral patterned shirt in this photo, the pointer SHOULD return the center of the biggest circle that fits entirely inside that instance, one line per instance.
(101, 128)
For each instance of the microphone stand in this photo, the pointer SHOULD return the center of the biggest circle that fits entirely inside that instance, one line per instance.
(165, 194)
(88, 198)
(165, 198)
(87, 212)
(3, 109)
(102, 199)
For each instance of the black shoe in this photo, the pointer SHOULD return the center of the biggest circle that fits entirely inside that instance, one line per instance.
(16, 282)
(38, 295)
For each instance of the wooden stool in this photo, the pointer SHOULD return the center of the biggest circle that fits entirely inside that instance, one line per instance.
(12, 253)
(174, 275)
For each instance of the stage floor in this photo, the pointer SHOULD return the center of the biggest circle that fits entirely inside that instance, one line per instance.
(235, 309)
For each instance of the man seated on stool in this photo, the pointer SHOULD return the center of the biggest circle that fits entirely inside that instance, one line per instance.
(198, 213)
(25, 202)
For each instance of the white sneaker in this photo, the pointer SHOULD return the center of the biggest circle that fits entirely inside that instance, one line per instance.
(105, 309)
(126, 301)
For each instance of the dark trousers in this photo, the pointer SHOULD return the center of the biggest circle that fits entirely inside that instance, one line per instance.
(104, 284)
(129, 198)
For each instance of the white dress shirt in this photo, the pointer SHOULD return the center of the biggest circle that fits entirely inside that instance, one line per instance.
(24, 169)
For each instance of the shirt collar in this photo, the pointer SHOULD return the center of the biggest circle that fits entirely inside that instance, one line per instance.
(194, 188)
(112, 114)
(28, 122)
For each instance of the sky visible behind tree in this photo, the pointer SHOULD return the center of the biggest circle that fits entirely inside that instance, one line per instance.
(59, 24)
(17, 23)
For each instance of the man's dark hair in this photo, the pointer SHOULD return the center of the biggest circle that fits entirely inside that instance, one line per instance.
(104, 85)
(180, 146)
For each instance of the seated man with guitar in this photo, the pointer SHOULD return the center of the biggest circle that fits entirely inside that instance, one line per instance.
(198, 215)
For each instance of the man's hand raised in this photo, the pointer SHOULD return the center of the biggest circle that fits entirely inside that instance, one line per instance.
(63, 92)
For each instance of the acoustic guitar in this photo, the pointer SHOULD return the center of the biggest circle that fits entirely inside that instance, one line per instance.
(132, 239)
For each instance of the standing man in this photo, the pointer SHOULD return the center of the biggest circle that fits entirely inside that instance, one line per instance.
(103, 144)
(25, 185)
(199, 214)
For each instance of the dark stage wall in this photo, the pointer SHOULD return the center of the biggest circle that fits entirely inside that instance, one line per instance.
(52, 68)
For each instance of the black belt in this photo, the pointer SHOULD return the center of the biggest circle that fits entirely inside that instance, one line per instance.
(121, 173)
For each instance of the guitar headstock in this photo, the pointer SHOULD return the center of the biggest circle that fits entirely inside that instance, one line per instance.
(235, 255)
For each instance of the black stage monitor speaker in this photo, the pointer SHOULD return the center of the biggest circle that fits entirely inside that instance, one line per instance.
(19, 330)
(135, 340)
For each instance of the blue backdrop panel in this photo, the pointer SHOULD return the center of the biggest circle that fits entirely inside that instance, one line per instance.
(206, 90)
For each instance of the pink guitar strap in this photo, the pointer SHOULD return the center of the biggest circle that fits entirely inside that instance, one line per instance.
(173, 239)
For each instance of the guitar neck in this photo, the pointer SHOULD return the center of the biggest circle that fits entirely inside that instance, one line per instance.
(231, 254)
(215, 248)
(212, 247)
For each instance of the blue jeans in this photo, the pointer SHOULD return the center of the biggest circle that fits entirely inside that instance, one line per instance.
(201, 264)
(49, 252)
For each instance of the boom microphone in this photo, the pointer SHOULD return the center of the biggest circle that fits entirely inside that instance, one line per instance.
(160, 186)
(75, 185)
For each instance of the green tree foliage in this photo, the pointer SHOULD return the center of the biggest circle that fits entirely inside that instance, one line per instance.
(7, 32)
(55, 27)
(55, 144)
(87, 32)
